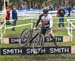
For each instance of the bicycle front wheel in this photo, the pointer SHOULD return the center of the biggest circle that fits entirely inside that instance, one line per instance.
(25, 37)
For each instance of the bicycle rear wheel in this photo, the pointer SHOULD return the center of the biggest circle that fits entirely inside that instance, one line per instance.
(25, 37)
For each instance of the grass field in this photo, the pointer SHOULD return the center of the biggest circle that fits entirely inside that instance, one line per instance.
(46, 57)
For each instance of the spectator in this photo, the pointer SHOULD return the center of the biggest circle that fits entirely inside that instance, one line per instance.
(8, 9)
(69, 10)
(14, 17)
(61, 13)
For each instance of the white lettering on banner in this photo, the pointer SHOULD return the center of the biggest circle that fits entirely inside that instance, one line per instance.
(58, 38)
(59, 50)
(49, 39)
(43, 50)
(12, 51)
(30, 51)
(15, 40)
(38, 50)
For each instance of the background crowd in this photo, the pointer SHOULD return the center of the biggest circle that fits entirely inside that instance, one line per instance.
(38, 4)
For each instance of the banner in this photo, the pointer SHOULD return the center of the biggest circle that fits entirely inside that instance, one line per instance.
(38, 50)
(47, 39)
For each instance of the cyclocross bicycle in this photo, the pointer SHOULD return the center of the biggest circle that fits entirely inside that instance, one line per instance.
(32, 37)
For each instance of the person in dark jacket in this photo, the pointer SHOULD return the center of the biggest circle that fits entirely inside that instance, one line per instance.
(14, 17)
(61, 12)
(69, 10)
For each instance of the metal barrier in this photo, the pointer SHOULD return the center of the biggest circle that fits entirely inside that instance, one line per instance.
(70, 27)
(2, 25)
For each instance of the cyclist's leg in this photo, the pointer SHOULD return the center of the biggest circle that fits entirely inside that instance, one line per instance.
(52, 36)
(43, 30)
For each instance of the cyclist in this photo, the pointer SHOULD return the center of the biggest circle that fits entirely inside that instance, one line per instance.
(47, 22)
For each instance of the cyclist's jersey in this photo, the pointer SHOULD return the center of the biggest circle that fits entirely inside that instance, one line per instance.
(45, 20)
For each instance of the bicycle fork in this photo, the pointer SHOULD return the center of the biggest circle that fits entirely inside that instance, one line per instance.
(33, 38)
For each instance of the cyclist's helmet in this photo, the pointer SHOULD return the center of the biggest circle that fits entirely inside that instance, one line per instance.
(45, 11)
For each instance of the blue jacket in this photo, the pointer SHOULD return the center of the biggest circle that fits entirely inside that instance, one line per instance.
(14, 14)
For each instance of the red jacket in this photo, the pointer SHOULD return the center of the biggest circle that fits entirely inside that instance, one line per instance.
(8, 9)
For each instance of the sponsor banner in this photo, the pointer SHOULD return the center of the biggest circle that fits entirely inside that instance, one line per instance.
(36, 50)
(14, 40)
(47, 39)
(58, 39)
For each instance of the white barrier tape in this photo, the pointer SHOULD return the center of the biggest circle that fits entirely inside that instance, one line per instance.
(69, 21)
(24, 19)
(18, 25)
(70, 28)
(32, 21)
(30, 18)
(73, 25)
(69, 17)
(59, 22)
(9, 20)
(54, 16)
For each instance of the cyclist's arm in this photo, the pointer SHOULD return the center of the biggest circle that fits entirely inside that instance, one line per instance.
(39, 20)
(51, 21)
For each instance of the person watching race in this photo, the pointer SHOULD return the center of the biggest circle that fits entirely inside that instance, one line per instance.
(47, 23)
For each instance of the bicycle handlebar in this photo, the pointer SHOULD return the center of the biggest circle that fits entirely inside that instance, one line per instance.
(34, 27)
